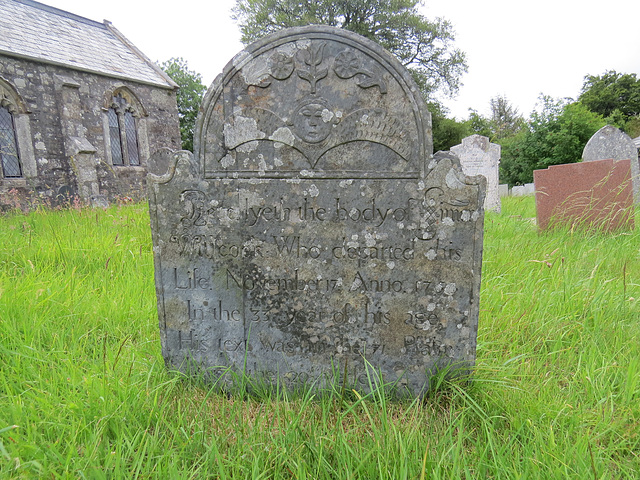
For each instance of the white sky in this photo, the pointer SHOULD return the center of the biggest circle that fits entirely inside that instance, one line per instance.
(514, 48)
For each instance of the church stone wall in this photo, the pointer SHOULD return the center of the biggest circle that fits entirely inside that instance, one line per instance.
(64, 116)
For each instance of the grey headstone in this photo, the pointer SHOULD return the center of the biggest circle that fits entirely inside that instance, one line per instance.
(503, 190)
(313, 231)
(517, 190)
(522, 190)
(480, 157)
(611, 142)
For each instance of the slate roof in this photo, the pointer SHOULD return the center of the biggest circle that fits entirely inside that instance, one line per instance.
(35, 31)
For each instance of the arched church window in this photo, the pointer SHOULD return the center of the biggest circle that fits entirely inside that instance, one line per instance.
(11, 167)
(17, 160)
(123, 131)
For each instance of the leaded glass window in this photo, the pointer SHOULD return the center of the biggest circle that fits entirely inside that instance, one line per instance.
(123, 133)
(8, 148)
(132, 138)
(114, 135)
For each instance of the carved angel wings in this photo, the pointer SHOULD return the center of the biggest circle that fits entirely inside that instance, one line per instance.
(315, 129)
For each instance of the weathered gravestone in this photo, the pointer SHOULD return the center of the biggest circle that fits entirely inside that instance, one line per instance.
(312, 229)
(478, 156)
(612, 143)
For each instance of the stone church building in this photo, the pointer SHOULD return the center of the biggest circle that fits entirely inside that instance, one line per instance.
(81, 108)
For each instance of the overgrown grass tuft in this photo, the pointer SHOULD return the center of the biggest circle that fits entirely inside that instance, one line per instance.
(84, 392)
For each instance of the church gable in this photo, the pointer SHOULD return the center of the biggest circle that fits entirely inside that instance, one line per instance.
(75, 123)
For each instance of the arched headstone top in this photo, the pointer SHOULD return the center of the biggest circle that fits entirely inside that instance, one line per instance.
(612, 143)
(318, 100)
(476, 141)
(609, 143)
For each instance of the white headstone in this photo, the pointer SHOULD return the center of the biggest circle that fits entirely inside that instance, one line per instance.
(480, 157)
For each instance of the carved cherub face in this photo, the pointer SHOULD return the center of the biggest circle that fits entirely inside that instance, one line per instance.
(313, 122)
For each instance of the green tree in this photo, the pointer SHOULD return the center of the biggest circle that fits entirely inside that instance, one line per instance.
(514, 168)
(447, 132)
(555, 134)
(505, 120)
(478, 124)
(612, 92)
(189, 96)
(424, 46)
(632, 127)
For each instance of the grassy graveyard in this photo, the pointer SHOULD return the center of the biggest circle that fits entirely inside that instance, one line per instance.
(84, 392)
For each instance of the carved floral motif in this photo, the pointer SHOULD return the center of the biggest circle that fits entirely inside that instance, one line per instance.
(348, 64)
(282, 66)
(313, 57)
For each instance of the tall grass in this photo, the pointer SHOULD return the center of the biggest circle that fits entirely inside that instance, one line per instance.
(84, 392)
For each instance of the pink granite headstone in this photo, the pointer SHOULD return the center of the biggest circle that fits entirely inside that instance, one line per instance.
(596, 194)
